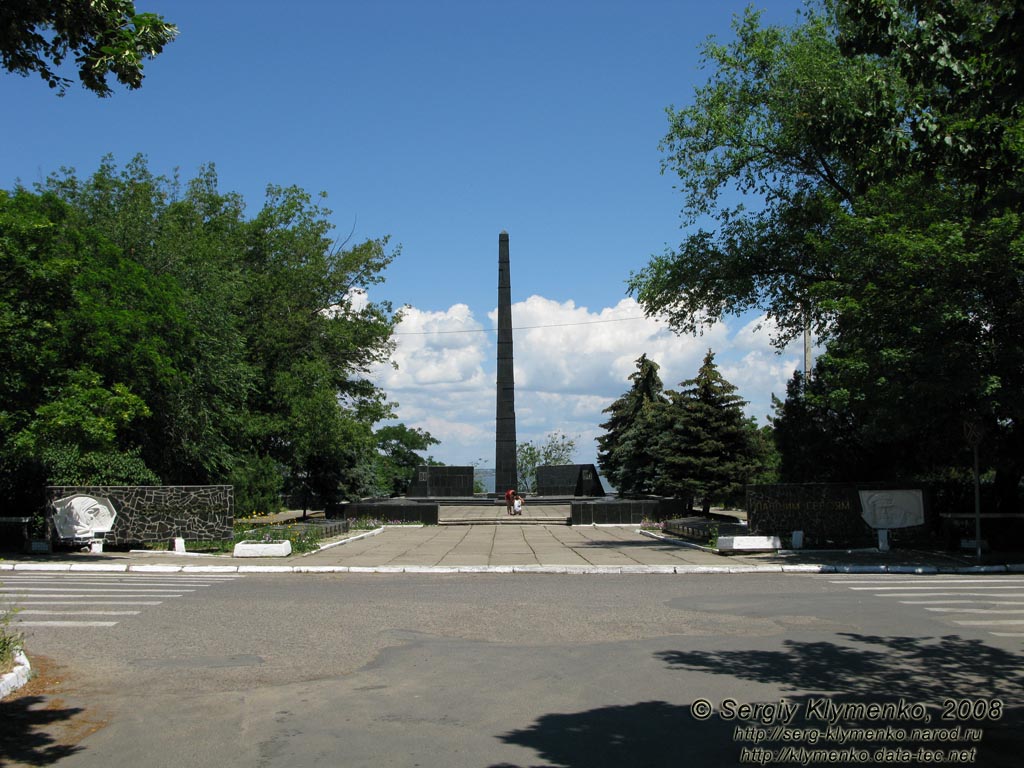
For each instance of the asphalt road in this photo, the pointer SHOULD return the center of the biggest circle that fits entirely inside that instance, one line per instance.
(506, 670)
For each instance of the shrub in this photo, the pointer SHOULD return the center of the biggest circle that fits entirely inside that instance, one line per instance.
(10, 642)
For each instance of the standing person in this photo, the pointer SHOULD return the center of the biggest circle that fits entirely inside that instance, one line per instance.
(517, 505)
(510, 496)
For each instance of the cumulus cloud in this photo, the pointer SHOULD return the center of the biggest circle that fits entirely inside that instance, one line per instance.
(571, 362)
(355, 301)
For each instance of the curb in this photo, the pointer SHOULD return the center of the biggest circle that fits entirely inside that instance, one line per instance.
(929, 570)
(357, 537)
(677, 542)
(13, 680)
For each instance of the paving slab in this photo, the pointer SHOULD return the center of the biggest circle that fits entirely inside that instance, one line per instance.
(508, 548)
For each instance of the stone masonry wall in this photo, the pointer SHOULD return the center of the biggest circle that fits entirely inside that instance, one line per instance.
(163, 512)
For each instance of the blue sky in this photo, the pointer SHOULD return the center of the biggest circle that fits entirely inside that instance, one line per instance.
(441, 124)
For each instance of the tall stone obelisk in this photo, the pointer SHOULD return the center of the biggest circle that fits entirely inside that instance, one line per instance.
(505, 475)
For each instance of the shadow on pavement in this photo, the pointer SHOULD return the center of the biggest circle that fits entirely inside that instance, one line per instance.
(643, 735)
(25, 726)
(958, 694)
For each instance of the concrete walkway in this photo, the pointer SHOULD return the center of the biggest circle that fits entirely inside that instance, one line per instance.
(500, 548)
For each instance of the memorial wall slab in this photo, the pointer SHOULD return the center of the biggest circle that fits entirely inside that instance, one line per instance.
(146, 513)
(837, 513)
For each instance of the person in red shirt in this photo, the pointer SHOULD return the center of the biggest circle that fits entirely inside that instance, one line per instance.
(510, 497)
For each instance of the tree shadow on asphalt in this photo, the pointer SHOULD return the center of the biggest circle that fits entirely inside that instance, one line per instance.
(25, 726)
(866, 669)
(642, 735)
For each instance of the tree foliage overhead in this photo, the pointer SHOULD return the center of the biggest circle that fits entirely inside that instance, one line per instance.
(862, 172)
(150, 329)
(105, 37)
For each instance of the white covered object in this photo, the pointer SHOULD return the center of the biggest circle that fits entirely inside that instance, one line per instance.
(82, 517)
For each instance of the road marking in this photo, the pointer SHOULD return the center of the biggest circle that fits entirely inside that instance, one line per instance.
(104, 582)
(83, 602)
(66, 623)
(974, 610)
(78, 613)
(985, 598)
(78, 592)
(991, 623)
(944, 594)
(943, 586)
(91, 590)
(933, 579)
(951, 602)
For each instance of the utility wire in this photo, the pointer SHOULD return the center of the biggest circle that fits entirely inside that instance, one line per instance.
(519, 328)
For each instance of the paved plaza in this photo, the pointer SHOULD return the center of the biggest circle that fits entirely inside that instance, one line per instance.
(487, 539)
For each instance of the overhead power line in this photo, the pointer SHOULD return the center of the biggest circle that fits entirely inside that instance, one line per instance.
(520, 327)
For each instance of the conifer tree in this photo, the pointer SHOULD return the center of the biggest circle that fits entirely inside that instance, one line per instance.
(706, 448)
(624, 450)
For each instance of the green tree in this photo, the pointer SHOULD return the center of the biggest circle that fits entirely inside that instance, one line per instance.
(708, 449)
(815, 435)
(312, 340)
(557, 448)
(185, 352)
(75, 434)
(399, 449)
(880, 141)
(201, 346)
(624, 450)
(80, 329)
(105, 37)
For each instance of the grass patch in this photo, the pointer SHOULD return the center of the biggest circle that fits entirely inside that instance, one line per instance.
(10, 642)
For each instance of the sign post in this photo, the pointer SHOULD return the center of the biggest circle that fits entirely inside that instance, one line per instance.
(972, 433)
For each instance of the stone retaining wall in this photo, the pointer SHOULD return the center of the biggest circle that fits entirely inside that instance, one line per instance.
(568, 480)
(387, 512)
(162, 512)
(827, 513)
(442, 481)
(623, 511)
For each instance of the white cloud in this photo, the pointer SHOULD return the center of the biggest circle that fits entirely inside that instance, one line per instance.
(443, 350)
(355, 302)
(570, 364)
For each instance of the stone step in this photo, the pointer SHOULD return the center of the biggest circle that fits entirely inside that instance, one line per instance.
(505, 520)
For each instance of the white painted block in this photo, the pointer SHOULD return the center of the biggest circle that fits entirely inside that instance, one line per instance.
(748, 543)
(154, 568)
(18, 676)
(209, 569)
(262, 549)
(99, 567)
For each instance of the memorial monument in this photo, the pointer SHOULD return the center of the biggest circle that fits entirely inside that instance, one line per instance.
(505, 475)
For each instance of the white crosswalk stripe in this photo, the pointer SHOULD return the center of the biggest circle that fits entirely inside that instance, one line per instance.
(62, 600)
(994, 603)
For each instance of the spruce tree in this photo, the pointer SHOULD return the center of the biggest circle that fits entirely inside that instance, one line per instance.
(624, 450)
(706, 448)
